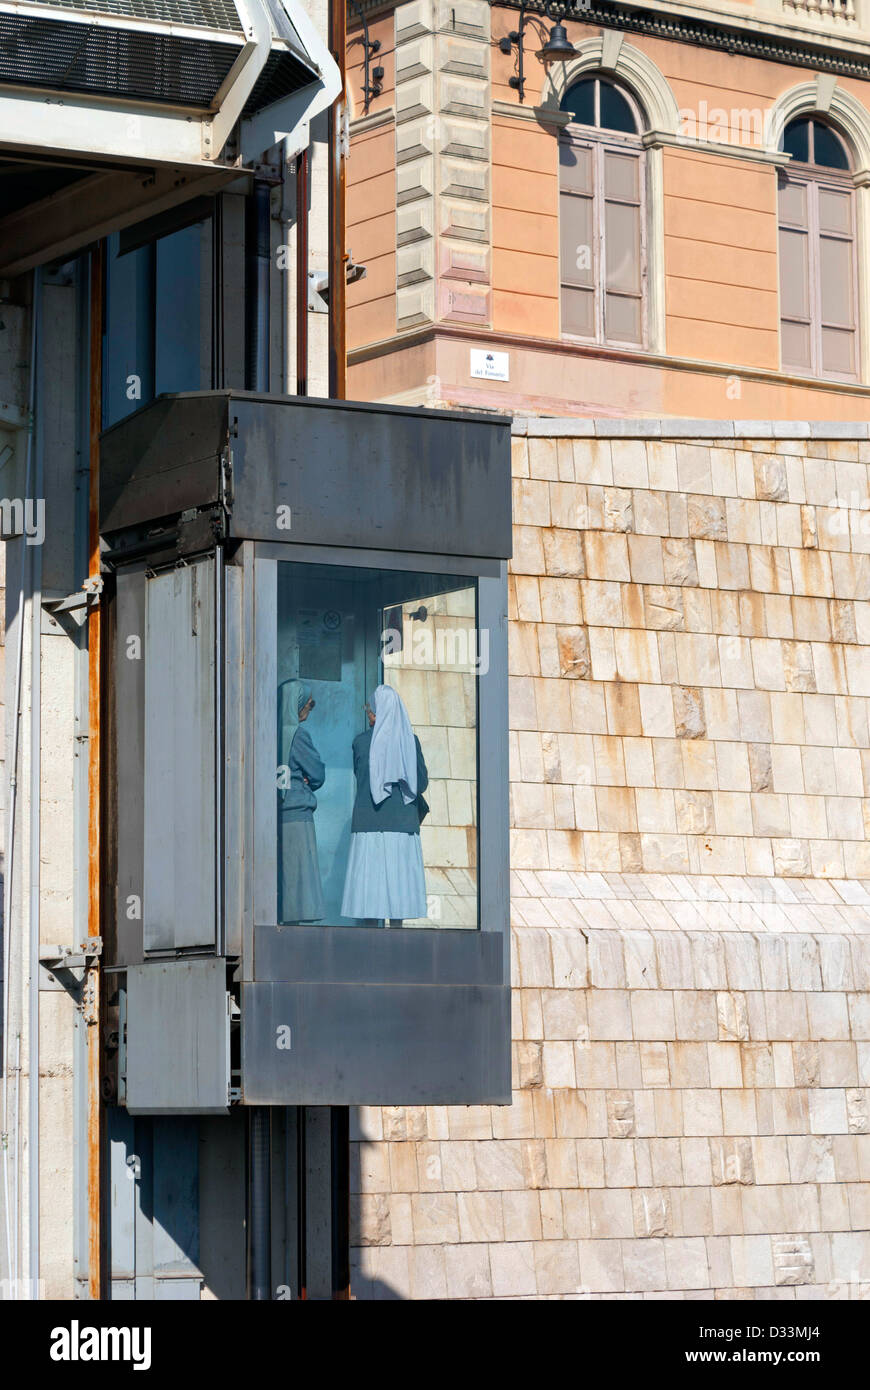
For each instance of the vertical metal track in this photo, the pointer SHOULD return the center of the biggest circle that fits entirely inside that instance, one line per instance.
(337, 200)
(219, 754)
(258, 372)
(258, 256)
(302, 160)
(339, 1115)
(301, 1204)
(259, 1203)
(80, 770)
(302, 228)
(91, 999)
(217, 295)
(33, 1184)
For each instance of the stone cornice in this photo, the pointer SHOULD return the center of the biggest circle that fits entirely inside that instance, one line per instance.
(755, 36)
(542, 114)
(652, 139)
(762, 34)
(361, 124)
(656, 138)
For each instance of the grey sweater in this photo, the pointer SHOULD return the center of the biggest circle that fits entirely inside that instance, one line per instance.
(298, 802)
(393, 814)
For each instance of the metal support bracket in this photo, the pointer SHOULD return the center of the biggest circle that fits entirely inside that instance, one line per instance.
(67, 968)
(318, 283)
(71, 611)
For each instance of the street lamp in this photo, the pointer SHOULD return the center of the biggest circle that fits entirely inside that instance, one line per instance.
(557, 49)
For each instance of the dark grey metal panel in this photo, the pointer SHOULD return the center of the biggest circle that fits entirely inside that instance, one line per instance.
(175, 1200)
(372, 955)
(162, 460)
(493, 770)
(424, 561)
(265, 672)
(222, 1155)
(178, 1050)
(319, 1202)
(350, 472)
(394, 479)
(250, 704)
(354, 1044)
(179, 787)
(231, 364)
(234, 756)
(129, 726)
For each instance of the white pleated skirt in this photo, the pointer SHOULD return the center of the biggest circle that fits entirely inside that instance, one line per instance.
(385, 876)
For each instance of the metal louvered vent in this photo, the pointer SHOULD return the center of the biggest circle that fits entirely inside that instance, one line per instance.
(205, 14)
(281, 77)
(109, 62)
(209, 80)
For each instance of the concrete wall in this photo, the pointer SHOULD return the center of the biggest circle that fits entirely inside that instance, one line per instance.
(50, 567)
(690, 757)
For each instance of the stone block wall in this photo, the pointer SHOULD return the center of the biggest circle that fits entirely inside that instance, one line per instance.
(433, 671)
(690, 757)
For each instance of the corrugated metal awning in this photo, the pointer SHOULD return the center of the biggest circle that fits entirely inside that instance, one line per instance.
(157, 81)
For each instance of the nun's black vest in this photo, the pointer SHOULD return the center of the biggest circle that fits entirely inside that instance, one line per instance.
(393, 814)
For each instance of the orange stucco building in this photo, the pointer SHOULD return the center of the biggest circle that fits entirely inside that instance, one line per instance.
(673, 221)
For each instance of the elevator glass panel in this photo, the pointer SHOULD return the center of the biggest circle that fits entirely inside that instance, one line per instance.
(341, 633)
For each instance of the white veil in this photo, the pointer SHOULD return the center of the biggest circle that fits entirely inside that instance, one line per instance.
(393, 752)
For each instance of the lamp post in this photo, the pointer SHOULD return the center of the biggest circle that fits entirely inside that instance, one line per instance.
(557, 49)
(373, 79)
(506, 43)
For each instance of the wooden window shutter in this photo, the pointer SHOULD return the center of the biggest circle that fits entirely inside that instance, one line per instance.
(602, 241)
(794, 271)
(622, 238)
(818, 281)
(578, 250)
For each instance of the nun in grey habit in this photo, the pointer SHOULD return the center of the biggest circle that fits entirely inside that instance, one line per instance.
(300, 774)
(385, 879)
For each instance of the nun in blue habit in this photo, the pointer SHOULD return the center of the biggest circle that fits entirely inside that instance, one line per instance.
(300, 774)
(385, 880)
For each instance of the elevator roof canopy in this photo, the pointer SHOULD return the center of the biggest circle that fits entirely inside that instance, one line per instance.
(316, 472)
(190, 91)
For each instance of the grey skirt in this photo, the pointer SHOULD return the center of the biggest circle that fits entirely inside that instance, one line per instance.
(300, 896)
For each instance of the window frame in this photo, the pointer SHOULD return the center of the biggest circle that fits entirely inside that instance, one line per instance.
(601, 142)
(815, 179)
(135, 338)
(260, 565)
(600, 78)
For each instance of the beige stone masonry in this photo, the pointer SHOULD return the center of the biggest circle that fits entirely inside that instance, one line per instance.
(690, 890)
(442, 162)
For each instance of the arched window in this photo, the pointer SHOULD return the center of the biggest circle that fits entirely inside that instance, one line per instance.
(602, 215)
(817, 263)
